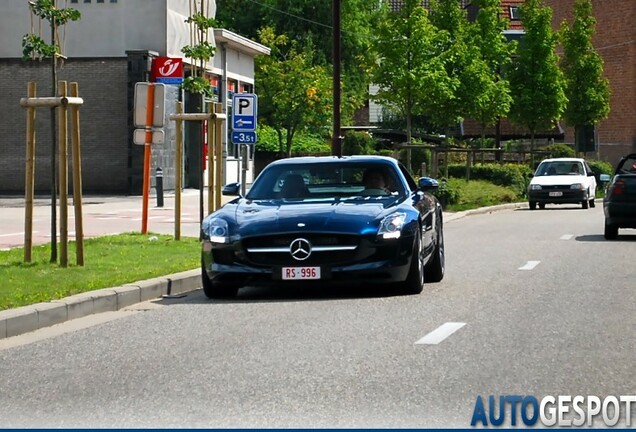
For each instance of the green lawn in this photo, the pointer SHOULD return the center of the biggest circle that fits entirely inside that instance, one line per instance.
(479, 193)
(109, 261)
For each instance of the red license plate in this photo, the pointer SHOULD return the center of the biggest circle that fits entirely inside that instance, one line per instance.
(300, 273)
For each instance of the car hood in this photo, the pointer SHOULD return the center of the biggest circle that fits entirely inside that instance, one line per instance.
(559, 180)
(276, 216)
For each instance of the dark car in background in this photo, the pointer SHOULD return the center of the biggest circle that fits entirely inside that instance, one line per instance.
(314, 220)
(619, 203)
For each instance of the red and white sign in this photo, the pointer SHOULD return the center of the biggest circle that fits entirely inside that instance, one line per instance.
(167, 70)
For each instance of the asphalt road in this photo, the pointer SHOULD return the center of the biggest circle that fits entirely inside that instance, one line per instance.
(539, 302)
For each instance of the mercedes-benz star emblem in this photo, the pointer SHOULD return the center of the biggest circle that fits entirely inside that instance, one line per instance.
(300, 249)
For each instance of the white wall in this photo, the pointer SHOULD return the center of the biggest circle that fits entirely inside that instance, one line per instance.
(105, 29)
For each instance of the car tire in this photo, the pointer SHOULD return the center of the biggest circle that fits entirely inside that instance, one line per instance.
(434, 270)
(532, 205)
(414, 282)
(592, 203)
(542, 206)
(215, 289)
(585, 204)
(611, 232)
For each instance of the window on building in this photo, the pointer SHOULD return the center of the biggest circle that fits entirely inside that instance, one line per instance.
(514, 13)
(74, 1)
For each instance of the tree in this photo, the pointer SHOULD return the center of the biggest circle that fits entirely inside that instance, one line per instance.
(201, 49)
(410, 75)
(34, 47)
(536, 81)
(308, 23)
(460, 60)
(490, 96)
(294, 93)
(587, 91)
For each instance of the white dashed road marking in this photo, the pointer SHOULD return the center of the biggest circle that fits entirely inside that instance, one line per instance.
(529, 265)
(566, 236)
(440, 333)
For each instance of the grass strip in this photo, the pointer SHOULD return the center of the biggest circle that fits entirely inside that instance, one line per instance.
(109, 261)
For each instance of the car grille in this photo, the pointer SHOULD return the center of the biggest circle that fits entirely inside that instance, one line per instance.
(329, 249)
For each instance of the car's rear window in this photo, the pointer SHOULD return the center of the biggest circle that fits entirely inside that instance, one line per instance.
(628, 166)
(321, 181)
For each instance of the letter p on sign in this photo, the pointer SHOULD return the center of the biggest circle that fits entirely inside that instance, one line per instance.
(244, 111)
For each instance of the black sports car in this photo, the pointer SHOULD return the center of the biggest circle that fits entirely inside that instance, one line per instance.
(357, 218)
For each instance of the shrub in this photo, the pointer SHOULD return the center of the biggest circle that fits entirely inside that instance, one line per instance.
(357, 143)
(447, 194)
(560, 150)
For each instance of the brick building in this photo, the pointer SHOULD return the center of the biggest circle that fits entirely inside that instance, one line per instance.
(615, 41)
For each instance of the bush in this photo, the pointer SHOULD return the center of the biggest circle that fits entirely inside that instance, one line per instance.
(446, 194)
(357, 143)
(560, 150)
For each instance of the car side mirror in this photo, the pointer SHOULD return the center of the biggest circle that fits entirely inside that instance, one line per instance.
(427, 184)
(604, 177)
(232, 189)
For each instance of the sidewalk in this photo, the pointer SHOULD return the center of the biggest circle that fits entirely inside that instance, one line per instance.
(101, 215)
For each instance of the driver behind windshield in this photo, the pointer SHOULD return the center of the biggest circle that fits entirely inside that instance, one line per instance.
(375, 182)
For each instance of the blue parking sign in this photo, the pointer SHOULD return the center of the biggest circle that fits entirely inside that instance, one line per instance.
(244, 108)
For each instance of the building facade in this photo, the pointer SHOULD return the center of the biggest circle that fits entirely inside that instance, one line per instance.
(615, 41)
(108, 51)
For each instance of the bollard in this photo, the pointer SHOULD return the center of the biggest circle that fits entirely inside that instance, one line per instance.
(159, 186)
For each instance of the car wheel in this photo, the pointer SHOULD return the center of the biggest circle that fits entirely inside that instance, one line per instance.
(542, 206)
(586, 201)
(215, 289)
(592, 203)
(532, 204)
(415, 280)
(611, 232)
(434, 270)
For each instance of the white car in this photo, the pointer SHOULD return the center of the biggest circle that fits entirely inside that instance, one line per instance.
(562, 181)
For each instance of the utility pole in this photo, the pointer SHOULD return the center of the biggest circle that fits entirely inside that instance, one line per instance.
(336, 147)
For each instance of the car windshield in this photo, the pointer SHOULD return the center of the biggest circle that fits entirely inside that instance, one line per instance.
(327, 182)
(559, 168)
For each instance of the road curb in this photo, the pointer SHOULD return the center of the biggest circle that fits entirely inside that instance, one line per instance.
(483, 210)
(14, 322)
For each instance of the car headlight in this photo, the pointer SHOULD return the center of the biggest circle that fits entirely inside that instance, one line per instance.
(391, 226)
(216, 230)
(577, 186)
(535, 187)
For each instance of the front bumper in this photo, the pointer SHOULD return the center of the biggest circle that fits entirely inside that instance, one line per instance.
(567, 196)
(373, 261)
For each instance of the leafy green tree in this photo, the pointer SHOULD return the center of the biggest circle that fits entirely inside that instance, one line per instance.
(293, 92)
(588, 92)
(490, 98)
(309, 23)
(35, 47)
(410, 75)
(460, 60)
(536, 81)
(201, 49)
